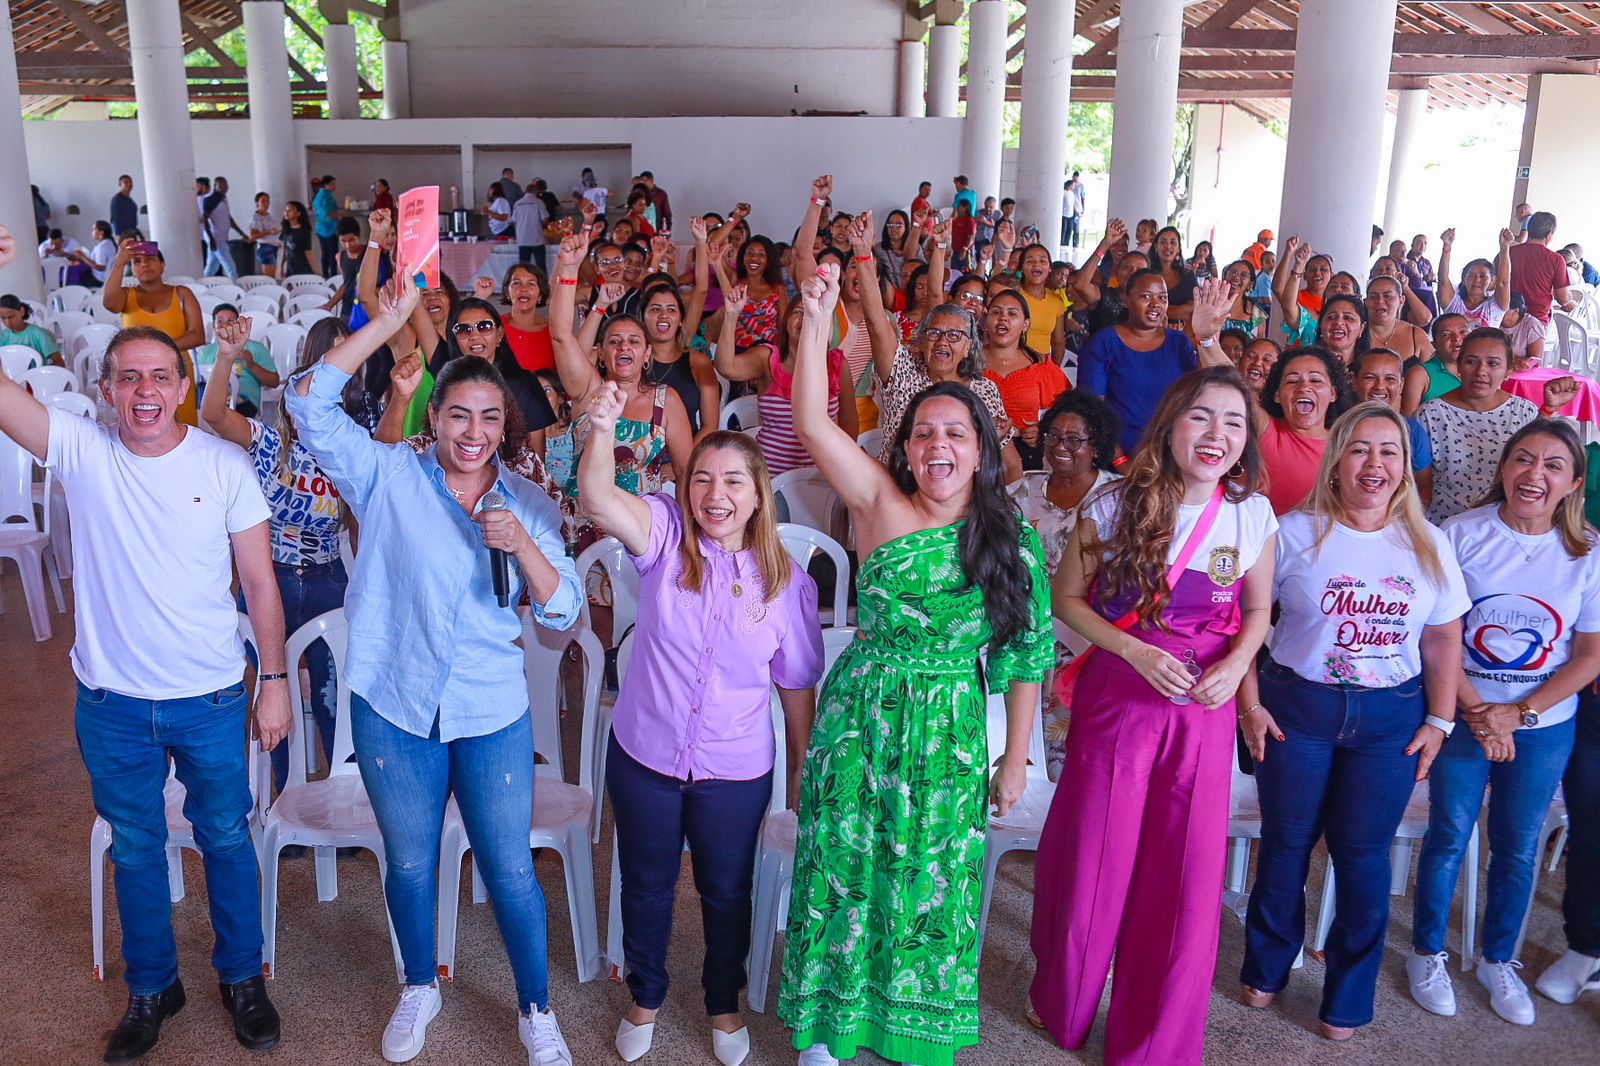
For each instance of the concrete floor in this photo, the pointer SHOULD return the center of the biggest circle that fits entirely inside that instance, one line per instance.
(335, 984)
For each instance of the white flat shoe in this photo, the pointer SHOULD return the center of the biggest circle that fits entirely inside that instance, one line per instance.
(633, 1041)
(731, 1048)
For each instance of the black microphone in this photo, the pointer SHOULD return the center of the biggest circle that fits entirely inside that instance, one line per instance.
(499, 562)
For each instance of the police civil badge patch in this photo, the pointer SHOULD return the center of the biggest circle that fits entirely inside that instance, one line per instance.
(1224, 565)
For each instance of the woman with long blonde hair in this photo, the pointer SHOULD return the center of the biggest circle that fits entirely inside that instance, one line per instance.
(1168, 573)
(1338, 717)
(724, 615)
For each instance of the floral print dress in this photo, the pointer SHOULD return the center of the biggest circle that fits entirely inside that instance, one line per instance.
(883, 921)
(641, 460)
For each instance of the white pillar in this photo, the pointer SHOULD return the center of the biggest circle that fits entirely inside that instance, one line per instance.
(1146, 109)
(1403, 157)
(272, 143)
(161, 92)
(1046, 99)
(944, 70)
(986, 96)
(396, 80)
(344, 87)
(1330, 184)
(913, 69)
(16, 201)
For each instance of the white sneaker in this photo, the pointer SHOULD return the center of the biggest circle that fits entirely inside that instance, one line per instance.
(818, 1055)
(408, 1025)
(542, 1037)
(1430, 983)
(1569, 976)
(1507, 994)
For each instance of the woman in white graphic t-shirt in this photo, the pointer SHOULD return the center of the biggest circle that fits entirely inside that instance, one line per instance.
(1336, 715)
(1531, 642)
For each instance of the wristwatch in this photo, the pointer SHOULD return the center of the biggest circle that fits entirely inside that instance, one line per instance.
(1530, 717)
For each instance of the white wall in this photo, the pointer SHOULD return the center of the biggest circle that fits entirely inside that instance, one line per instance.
(1566, 158)
(652, 57)
(1238, 178)
(705, 164)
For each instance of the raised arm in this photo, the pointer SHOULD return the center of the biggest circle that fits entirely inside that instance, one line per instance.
(881, 329)
(380, 226)
(938, 256)
(23, 418)
(1005, 239)
(617, 511)
(405, 378)
(1417, 312)
(805, 263)
(1084, 288)
(1502, 270)
(113, 296)
(227, 423)
(1447, 288)
(573, 362)
(748, 365)
(1286, 279)
(606, 297)
(859, 479)
(702, 283)
(1212, 302)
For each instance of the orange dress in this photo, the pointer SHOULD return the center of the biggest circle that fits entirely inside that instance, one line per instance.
(171, 322)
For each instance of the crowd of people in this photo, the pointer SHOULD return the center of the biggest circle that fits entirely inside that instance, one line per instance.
(1164, 452)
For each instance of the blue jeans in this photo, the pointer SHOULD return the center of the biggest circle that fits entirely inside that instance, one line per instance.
(721, 820)
(125, 744)
(1580, 906)
(1341, 771)
(1519, 798)
(220, 260)
(408, 779)
(308, 591)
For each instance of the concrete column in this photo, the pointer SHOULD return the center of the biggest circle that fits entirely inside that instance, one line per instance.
(396, 80)
(16, 201)
(944, 70)
(161, 92)
(1046, 99)
(272, 144)
(913, 70)
(1403, 159)
(344, 87)
(1330, 183)
(1145, 109)
(986, 96)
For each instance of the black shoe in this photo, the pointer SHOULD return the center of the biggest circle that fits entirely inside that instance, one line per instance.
(255, 1019)
(140, 1027)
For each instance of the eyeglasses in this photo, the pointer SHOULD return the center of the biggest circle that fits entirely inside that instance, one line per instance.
(937, 335)
(611, 261)
(970, 298)
(1070, 442)
(483, 325)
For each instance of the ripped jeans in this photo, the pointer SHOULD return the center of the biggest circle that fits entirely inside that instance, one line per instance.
(408, 779)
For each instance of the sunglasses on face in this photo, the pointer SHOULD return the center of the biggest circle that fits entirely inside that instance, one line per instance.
(486, 325)
(971, 297)
(611, 261)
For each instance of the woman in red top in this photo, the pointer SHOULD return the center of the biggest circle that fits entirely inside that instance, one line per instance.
(963, 227)
(527, 330)
(1029, 382)
(638, 203)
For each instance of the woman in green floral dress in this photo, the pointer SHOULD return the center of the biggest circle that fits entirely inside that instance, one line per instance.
(883, 924)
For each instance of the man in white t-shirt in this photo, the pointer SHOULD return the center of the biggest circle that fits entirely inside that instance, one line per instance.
(529, 215)
(161, 513)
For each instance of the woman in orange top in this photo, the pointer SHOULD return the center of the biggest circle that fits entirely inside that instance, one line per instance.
(172, 309)
(1029, 382)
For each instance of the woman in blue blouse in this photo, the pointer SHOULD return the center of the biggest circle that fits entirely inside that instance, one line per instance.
(438, 701)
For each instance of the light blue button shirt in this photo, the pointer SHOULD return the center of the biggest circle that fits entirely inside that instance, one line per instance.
(427, 638)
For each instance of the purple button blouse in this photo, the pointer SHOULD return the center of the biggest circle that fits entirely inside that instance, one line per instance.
(696, 699)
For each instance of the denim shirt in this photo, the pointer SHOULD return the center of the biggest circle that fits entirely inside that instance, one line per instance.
(427, 638)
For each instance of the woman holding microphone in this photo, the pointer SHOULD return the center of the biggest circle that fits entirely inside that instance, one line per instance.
(724, 616)
(439, 703)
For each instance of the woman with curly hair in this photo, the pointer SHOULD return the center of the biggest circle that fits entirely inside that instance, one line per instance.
(1305, 391)
(1169, 575)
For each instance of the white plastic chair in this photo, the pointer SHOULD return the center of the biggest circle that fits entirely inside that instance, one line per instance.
(327, 814)
(71, 298)
(745, 411)
(775, 851)
(180, 833)
(86, 367)
(251, 282)
(267, 304)
(809, 498)
(104, 315)
(55, 270)
(273, 292)
(24, 543)
(67, 324)
(298, 283)
(47, 381)
(871, 441)
(18, 359)
(803, 543)
(562, 813)
(1574, 347)
(304, 301)
(93, 335)
(260, 322)
(306, 319)
(285, 341)
(609, 554)
(1020, 828)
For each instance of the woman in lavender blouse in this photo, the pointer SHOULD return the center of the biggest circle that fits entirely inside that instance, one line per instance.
(724, 615)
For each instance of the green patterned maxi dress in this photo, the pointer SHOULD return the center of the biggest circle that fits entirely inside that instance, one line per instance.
(882, 943)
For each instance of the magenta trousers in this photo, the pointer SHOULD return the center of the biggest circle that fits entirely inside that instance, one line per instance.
(1131, 863)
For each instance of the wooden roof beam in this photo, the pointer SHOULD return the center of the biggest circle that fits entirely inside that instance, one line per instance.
(1523, 46)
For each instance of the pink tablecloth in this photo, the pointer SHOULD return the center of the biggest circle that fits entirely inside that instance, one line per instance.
(1530, 383)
